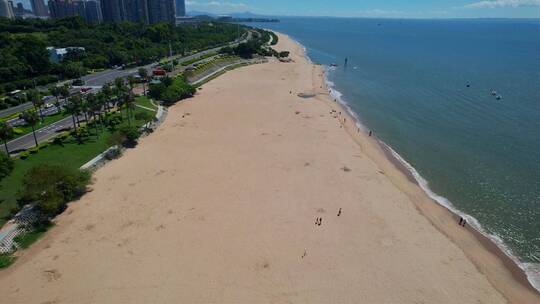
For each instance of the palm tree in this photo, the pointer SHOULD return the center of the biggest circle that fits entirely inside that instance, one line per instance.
(131, 83)
(35, 98)
(55, 91)
(120, 91)
(107, 94)
(94, 109)
(73, 107)
(6, 133)
(120, 84)
(31, 119)
(64, 91)
(143, 73)
(129, 103)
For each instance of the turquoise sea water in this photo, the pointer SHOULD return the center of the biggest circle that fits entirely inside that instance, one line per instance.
(425, 88)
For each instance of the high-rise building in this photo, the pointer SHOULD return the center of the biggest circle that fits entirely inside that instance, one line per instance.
(145, 11)
(180, 8)
(6, 9)
(113, 10)
(19, 10)
(89, 10)
(136, 10)
(93, 11)
(39, 8)
(61, 8)
(161, 11)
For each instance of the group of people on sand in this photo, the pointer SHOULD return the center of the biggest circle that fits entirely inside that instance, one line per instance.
(462, 221)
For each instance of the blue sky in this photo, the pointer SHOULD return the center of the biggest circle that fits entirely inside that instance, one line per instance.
(376, 8)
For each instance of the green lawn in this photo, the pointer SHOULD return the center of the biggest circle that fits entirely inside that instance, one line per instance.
(71, 154)
(145, 102)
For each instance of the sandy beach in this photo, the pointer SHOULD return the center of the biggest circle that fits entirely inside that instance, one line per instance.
(220, 205)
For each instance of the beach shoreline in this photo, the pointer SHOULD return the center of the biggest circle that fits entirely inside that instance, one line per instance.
(510, 263)
(218, 206)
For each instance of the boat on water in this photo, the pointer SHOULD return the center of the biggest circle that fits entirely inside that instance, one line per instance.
(493, 93)
(334, 65)
(499, 97)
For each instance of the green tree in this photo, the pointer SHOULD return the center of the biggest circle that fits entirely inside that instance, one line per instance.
(143, 73)
(73, 107)
(107, 94)
(56, 92)
(31, 118)
(6, 165)
(35, 98)
(50, 188)
(6, 133)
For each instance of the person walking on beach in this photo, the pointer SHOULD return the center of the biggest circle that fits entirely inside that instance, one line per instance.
(460, 220)
(339, 212)
(370, 133)
(464, 222)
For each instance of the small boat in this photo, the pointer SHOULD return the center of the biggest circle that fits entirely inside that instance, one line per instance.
(333, 65)
(493, 93)
(499, 97)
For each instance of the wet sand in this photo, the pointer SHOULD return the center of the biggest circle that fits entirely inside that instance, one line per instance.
(219, 205)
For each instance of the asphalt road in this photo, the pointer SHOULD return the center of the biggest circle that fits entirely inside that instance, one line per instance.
(27, 141)
(16, 109)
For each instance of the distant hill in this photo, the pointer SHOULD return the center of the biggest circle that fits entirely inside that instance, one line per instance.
(234, 15)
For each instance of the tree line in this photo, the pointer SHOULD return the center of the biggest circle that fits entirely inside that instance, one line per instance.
(25, 61)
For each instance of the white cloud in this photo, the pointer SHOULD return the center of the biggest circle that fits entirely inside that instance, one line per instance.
(503, 3)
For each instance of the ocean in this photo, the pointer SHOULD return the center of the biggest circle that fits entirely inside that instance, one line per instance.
(457, 100)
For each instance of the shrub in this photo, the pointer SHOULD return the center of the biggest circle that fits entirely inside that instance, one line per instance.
(34, 150)
(145, 116)
(130, 133)
(28, 238)
(126, 136)
(50, 187)
(6, 260)
(24, 155)
(6, 165)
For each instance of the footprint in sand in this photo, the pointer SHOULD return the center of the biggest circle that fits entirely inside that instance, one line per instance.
(52, 275)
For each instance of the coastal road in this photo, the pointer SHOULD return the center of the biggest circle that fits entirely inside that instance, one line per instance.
(16, 109)
(101, 78)
(43, 134)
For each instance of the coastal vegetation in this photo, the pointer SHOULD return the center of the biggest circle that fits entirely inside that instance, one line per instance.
(170, 90)
(6, 165)
(25, 60)
(50, 187)
(72, 149)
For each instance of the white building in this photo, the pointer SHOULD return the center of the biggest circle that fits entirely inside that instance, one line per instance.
(57, 54)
